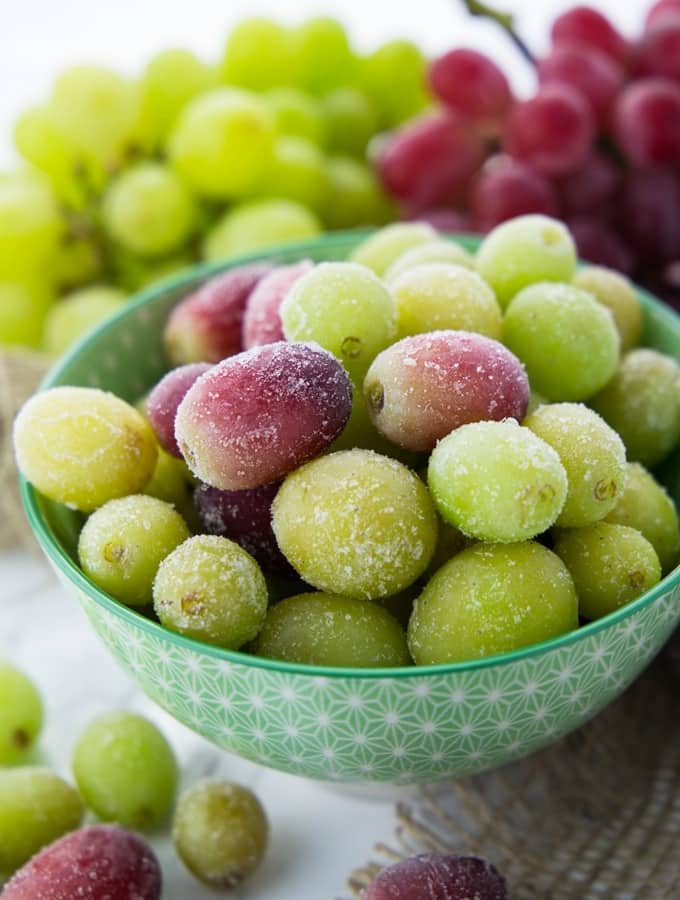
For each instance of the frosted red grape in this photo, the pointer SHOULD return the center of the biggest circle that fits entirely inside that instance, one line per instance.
(261, 321)
(438, 876)
(658, 52)
(206, 326)
(585, 25)
(471, 84)
(506, 188)
(256, 416)
(165, 397)
(647, 122)
(592, 73)
(92, 863)
(423, 387)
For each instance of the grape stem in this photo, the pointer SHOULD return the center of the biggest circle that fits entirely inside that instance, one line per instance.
(505, 20)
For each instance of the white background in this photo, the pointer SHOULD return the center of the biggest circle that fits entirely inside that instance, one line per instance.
(318, 834)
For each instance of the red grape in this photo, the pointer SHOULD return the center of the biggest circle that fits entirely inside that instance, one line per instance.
(658, 52)
(506, 188)
(650, 214)
(599, 244)
(553, 131)
(592, 73)
(429, 161)
(591, 187)
(442, 219)
(647, 122)
(585, 25)
(660, 10)
(471, 84)
(261, 321)
(165, 397)
(436, 876)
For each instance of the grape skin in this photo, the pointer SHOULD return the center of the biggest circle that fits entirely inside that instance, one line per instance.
(506, 188)
(592, 73)
(438, 250)
(262, 320)
(584, 25)
(164, 399)
(379, 251)
(21, 714)
(647, 122)
(438, 876)
(471, 84)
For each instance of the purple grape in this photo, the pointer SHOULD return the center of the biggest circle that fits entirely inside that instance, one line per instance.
(163, 400)
(438, 876)
(261, 321)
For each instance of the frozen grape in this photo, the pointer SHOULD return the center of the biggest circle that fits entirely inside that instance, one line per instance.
(327, 630)
(592, 454)
(383, 248)
(422, 387)
(614, 291)
(173, 482)
(164, 399)
(36, 807)
(524, 250)
(438, 876)
(220, 832)
(506, 188)
(346, 309)
(76, 313)
(206, 325)
(565, 338)
(298, 114)
(438, 250)
(258, 55)
(211, 590)
(355, 523)
(646, 506)
(256, 416)
(21, 714)
(492, 598)
(642, 403)
(82, 446)
(123, 543)
(101, 861)
(585, 25)
(471, 84)
(440, 295)
(261, 320)
(610, 564)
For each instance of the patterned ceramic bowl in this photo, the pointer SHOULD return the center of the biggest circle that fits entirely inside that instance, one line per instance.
(392, 725)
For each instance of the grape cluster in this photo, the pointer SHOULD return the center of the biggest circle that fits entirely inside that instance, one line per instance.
(598, 144)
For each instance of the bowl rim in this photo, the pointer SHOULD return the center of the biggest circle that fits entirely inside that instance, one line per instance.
(65, 565)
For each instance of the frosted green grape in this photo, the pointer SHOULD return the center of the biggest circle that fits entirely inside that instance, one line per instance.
(615, 291)
(438, 250)
(383, 248)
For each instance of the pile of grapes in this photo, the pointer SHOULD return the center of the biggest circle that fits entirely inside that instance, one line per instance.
(597, 145)
(363, 491)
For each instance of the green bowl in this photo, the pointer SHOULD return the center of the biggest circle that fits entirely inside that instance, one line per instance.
(392, 725)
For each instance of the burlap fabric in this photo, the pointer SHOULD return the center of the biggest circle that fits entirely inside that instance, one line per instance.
(594, 817)
(20, 373)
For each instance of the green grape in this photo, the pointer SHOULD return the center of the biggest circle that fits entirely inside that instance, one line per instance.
(355, 523)
(393, 77)
(646, 506)
(148, 210)
(298, 115)
(323, 56)
(211, 590)
(23, 307)
(30, 226)
(123, 543)
(261, 223)
(298, 173)
(345, 308)
(383, 248)
(642, 403)
(352, 121)
(82, 446)
(133, 272)
(223, 143)
(610, 564)
(440, 295)
(592, 454)
(36, 808)
(615, 291)
(492, 598)
(259, 55)
(497, 481)
(328, 630)
(79, 260)
(77, 313)
(567, 340)
(525, 250)
(173, 482)
(21, 714)
(220, 832)
(171, 79)
(125, 771)
(355, 196)
(437, 250)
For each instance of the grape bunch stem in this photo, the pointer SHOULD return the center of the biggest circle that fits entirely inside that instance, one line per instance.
(505, 20)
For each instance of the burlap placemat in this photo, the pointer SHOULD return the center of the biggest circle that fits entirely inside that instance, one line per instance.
(594, 817)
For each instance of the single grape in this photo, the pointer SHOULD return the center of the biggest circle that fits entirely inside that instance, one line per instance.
(527, 249)
(423, 387)
(438, 876)
(220, 832)
(206, 326)
(646, 506)
(36, 807)
(355, 523)
(471, 84)
(258, 55)
(594, 74)
(649, 214)
(610, 564)
(298, 115)
(256, 416)
(261, 320)
(379, 251)
(492, 598)
(21, 714)
(164, 399)
(211, 590)
(30, 226)
(122, 544)
(497, 481)
(593, 457)
(600, 244)
(647, 121)
(438, 250)
(79, 261)
(506, 188)
(323, 56)
(328, 630)
(352, 121)
(585, 25)
(565, 338)
(298, 173)
(591, 187)
(355, 196)
(616, 292)
(223, 143)
(77, 313)
(642, 403)
(346, 309)
(24, 306)
(82, 446)
(258, 224)
(394, 79)
(658, 50)
(660, 10)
